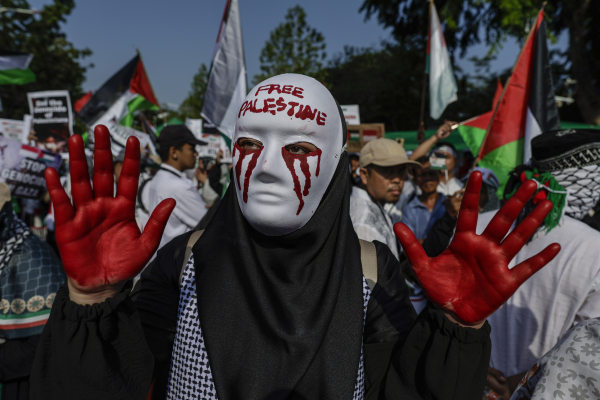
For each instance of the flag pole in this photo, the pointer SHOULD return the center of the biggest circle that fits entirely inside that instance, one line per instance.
(421, 131)
(487, 132)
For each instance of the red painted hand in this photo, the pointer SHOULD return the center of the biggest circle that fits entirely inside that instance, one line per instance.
(100, 244)
(471, 279)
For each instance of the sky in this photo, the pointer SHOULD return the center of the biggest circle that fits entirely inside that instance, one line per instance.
(175, 37)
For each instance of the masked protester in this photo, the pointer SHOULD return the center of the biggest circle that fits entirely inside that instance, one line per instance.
(272, 302)
(566, 163)
(30, 276)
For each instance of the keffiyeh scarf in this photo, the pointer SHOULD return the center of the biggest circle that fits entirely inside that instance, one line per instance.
(12, 235)
(583, 187)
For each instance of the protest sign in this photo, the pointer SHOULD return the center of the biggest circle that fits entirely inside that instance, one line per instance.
(351, 114)
(119, 135)
(22, 168)
(215, 143)
(52, 116)
(15, 129)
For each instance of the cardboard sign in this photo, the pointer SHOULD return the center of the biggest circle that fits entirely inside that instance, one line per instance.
(22, 168)
(351, 114)
(359, 135)
(15, 129)
(52, 116)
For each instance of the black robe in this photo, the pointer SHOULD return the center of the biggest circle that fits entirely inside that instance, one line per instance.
(118, 348)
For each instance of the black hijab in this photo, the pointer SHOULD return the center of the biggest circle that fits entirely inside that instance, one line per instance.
(282, 316)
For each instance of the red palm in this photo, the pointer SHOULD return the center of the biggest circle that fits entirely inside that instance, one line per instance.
(471, 278)
(100, 243)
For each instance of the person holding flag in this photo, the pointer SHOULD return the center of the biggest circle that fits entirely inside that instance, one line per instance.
(272, 300)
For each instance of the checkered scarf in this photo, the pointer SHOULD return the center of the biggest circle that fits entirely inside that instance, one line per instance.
(583, 187)
(12, 235)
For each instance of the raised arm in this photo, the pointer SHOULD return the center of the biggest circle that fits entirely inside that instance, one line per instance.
(99, 241)
(471, 279)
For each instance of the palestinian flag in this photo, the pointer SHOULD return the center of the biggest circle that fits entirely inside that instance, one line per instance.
(526, 108)
(473, 130)
(126, 91)
(226, 87)
(14, 68)
(442, 85)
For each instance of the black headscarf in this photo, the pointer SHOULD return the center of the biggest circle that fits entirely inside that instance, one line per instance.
(282, 316)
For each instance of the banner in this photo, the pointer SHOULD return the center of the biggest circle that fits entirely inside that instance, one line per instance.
(215, 142)
(22, 168)
(119, 135)
(52, 116)
(15, 129)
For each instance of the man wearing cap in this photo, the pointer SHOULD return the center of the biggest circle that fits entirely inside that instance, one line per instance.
(177, 150)
(383, 165)
(566, 163)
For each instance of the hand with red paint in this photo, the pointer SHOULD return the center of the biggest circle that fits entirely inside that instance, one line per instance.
(471, 279)
(99, 241)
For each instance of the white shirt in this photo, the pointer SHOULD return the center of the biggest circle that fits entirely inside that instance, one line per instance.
(370, 221)
(547, 305)
(170, 183)
(453, 186)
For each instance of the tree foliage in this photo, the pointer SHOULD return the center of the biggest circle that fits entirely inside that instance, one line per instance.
(293, 47)
(56, 63)
(470, 22)
(387, 85)
(191, 107)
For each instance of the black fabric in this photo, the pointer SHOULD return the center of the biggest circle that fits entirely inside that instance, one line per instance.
(541, 96)
(101, 351)
(390, 317)
(440, 360)
(297, 299)
(214, 179)
(567, 148)
(16, 357)
(425, 357)
(203, 224)
(92, 352)
(156, 298)
(438, 237)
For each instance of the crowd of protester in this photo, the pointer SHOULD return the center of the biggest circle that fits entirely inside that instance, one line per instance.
(550, 324)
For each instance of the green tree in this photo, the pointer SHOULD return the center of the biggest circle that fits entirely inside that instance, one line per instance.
(387, 85)
(469, 22)
(192, 105)
(293, 47)
(56, 63)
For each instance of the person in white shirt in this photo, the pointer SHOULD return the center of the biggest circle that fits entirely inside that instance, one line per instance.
(177, 149)
(567, 166)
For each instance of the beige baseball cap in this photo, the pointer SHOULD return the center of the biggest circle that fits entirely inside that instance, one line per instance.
(4, 194)
(385, 153)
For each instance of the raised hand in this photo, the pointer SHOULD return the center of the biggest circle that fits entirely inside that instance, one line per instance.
(99, 241)
(471, 279)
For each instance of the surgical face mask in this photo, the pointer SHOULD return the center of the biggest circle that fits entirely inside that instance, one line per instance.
(278, 191)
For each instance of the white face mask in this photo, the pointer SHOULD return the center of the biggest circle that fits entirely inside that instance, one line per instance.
(278, 192)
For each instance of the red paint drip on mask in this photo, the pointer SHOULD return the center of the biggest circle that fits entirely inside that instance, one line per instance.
(251, 166)
(303, 158)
